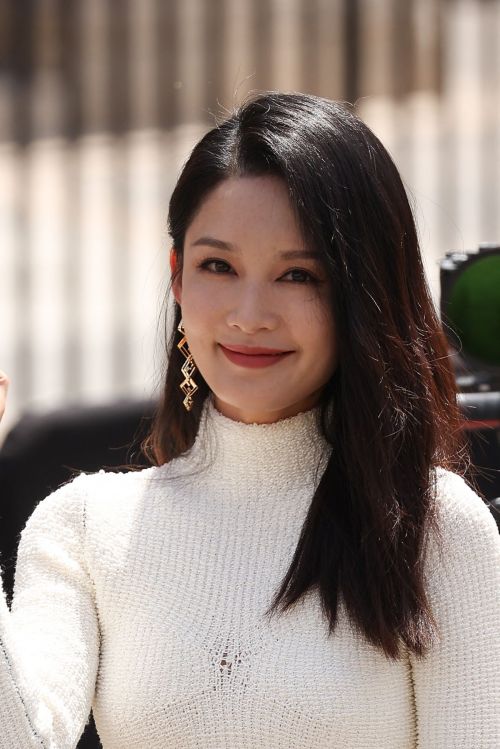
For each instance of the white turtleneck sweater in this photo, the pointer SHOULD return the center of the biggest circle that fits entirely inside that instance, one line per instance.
(142, 596)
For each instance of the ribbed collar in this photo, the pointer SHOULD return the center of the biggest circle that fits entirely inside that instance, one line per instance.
(290, 450)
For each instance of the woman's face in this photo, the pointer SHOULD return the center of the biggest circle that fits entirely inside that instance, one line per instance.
(255, 303)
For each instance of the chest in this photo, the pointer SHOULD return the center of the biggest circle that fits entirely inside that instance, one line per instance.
(189, 659)
(177, 671)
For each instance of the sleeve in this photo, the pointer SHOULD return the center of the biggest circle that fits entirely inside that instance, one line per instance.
(49, 640)
(457, 684)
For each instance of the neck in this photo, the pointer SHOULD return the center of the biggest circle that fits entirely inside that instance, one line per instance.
(266, 417)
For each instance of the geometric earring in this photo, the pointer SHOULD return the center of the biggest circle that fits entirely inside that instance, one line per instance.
(188, 385)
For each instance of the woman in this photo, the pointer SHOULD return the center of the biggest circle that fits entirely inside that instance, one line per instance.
(300, 567)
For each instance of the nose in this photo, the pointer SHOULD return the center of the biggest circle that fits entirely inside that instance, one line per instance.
(252, 310)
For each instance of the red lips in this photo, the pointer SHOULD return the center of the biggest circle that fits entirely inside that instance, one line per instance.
(253, 357)
(254, 350)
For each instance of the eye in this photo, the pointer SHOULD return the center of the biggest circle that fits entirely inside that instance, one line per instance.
(299, 275)
(214, 265)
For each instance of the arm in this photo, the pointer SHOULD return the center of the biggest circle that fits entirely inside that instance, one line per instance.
(457, 685)
(49, 641)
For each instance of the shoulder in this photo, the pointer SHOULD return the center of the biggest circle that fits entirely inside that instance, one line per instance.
(458, 504)
(466, 530)
(73, 500)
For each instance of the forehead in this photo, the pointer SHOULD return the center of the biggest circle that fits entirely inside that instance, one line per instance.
(242, 207)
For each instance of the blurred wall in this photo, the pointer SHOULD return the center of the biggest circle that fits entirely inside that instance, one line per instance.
(100, 101)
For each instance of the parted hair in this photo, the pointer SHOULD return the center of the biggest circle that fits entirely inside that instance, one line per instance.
(390, 409)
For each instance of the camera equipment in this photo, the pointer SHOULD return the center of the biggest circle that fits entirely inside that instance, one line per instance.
(470, 313)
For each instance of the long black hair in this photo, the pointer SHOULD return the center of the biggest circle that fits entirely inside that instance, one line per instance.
(390, 409)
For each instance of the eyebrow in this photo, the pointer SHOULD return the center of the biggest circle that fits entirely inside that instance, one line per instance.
(219, 244)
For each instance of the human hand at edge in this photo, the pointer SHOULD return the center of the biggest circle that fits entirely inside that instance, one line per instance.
(4, 386)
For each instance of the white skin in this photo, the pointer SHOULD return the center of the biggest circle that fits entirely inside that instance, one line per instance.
(243, 287)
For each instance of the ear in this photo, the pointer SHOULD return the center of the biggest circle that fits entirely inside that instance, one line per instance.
(177, 282)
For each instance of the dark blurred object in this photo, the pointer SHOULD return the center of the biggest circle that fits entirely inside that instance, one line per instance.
(44, 451)
(470, 311)
(482, 426)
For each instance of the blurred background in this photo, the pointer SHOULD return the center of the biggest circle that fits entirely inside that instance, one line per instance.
(101, 100)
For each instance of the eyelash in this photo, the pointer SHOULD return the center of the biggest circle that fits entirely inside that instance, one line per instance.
(311, 279)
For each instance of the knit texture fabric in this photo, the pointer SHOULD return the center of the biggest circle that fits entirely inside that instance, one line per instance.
(142, 595)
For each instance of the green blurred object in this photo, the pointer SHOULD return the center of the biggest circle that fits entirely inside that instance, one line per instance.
(470, 312)
(474, 309)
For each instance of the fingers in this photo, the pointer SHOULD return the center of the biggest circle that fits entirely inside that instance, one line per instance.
(4, 386)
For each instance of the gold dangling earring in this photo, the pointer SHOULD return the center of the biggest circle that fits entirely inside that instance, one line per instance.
(188, 385)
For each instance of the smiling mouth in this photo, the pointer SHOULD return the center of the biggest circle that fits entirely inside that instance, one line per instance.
(253, 357)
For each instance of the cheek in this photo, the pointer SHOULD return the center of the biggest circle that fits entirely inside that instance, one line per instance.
(199, 307)
(319, 336)
(315, 321)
